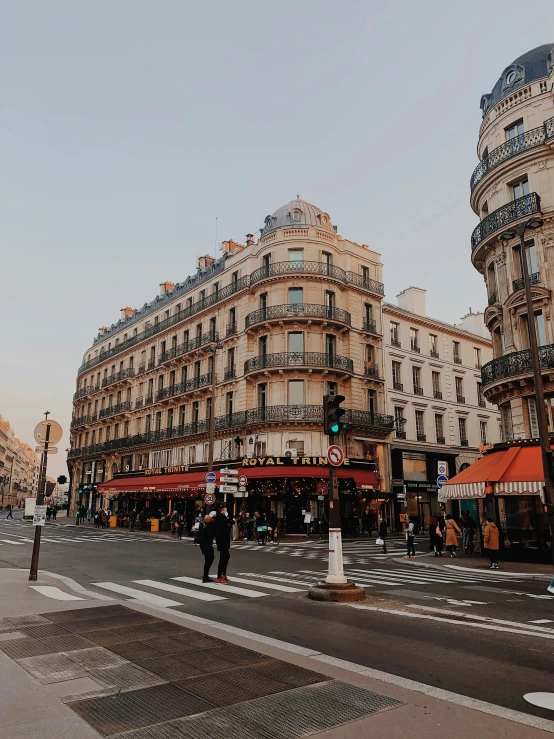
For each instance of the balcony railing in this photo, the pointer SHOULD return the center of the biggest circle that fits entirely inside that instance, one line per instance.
(229, 373)
(118, 377)
(298, 359)
(400, 434)
(298, 310)
(372, 371)
(176, 351)
(149, 400)
(457, 359)
(83, 421)
(114, 410)
(88, 390)
(422, 437)
(516, 363)
(504, 216)
(418, 390)
(511, 148)
(195, 383)
(139, 402)
(519, 284)
(398, 386)
(255, 416)
(395, 342)
(370, 325)
(464, 442)
(231, 329)
(437, 394)
(482, 403)
(316, 268)
(434, 353)
(441, 440)
(414, 346)
(492, 299)
(460, 399)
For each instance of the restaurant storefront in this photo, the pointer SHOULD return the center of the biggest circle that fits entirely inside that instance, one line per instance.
(506, 485)
(295, 488)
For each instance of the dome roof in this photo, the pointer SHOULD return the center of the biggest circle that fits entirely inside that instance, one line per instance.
(298, 213)
(531, 66)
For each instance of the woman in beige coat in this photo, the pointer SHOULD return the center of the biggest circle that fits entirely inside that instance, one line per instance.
(452, 531)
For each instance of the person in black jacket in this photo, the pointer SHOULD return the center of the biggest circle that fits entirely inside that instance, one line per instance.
(383, 531)
(223, 543)
(206, 536)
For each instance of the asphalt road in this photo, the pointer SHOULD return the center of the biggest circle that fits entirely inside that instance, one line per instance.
(490, 664)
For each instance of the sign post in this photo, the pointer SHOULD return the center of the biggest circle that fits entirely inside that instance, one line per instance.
(46, 433)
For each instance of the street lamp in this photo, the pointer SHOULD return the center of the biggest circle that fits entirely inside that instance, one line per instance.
(548, 497)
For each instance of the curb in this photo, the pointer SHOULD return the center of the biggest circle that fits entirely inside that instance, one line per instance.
(534, 577)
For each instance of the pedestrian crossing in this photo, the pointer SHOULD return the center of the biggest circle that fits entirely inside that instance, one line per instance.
(78, 538)
(353, 552)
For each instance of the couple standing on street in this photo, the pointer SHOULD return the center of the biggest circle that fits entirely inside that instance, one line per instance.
(216, 524)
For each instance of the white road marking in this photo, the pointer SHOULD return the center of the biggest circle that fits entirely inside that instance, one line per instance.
(224, 588)
(52, 592)
(269, 586)
(139, 595)
(178, 590)
(9, 541)
(278, 579)
(542, 621)
(544, 700)
(360, 578)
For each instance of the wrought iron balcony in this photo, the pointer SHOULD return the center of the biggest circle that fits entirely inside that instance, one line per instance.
(433, 353)
(208, 338)
(195, 383)
(511, 148)
(518, 284)
(115, 410)
(398, 386)
(482, 403)
(400, 434)
(492, 299)
(457, 359)
(316, 268)
(464, 442)
(441, 440)
(437, 394)
(118, 377)
(370, 325)
(504, 216)
(395, 342)
(516, 363)
(151, 364)
(231, 329)
(414, 346)
(298, 310)
(418, 390)
(229, 373)
(422, 437)
(139, 402)
(83, 421)
(460, 399)
(298, 359)
(149, 400)
(87, 390)
(372, 371)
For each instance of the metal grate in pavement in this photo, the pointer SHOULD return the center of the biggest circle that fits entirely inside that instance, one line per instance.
(19, 622)
(125, 677)
(288, 715)
(217, 689)
(123, 622)
(290, 675)
(137, 708)
(42, 631)
(95, 658)
(82, 614)
(172, 668)
(35, 647)
(52, 668)
(135, 650)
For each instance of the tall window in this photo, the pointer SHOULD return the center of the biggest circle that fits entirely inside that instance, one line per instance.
(195, 412)
(480, 396)
(297, 392)
(439, 428)
(462, 428)
(365, 274)
(372, 401)
(416, 377)
(436, 379)
(433, 346)
(533, 421)
(521, 188)
(266, 261)
(483, 432)
(296, 341)
(330, 345)
(262, 346)
(394, 334)
(477, 357)
(182, 414)
(456, 354)
(414, 339)
(159, 421)
(296, 256)
(229, 403)
(460, 390)
(420, 425)
(506, 418)
(262, 395)
(397, 376)
(368, 317)
(399, 422)
(329, 302)
(296, 295)
(170, 418)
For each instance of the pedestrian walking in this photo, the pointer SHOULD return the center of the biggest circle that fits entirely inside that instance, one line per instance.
(10, 514)
(132, 520)
(48, 512)
(142, 519)
(452, 531)
(205, 537)
(468, 534)
(223, 543)
(174, 522)
(261, 529)
(54, 512)
(383, 531)
(410, 539)
(89, 514)
(180, 526)
(491, 541)
(436, 536)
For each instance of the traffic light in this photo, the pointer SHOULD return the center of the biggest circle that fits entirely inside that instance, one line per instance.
(62, 479)
(332, 414)
(81, 489)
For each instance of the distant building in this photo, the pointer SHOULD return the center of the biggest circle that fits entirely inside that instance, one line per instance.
(19, 468)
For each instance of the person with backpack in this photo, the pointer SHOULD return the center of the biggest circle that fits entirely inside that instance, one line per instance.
(205, 537)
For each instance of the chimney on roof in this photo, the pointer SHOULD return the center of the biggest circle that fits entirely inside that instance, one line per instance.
(102, 330)
(165, 287)
(231, 246)
(205, 261)
(412, 299)
(249, 239)
(127, 312)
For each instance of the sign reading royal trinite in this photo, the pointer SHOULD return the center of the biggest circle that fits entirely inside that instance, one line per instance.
(287, 462)
(166, 470)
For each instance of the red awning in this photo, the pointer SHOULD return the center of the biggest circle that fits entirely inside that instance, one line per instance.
(166, 483)
(360, 477)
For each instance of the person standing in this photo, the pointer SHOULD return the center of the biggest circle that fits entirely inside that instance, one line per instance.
(491, 542)
(142, 519)
(132, 520)
(410, 539)
(180, 526)
(468, 526)
(89, 514)
(205, 537)
(383, 531)
(174, 522)
(452, 531)
(10, 514)
(54, 512)
(223, 543)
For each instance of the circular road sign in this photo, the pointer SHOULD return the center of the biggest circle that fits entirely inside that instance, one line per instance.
(211, 477)
(441, 479)
(209, 499)
(335, 455)
(56, 432)
(242, 480)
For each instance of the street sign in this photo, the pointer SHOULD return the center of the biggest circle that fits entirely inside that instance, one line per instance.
(51, 449)
(56, 432)
(39, 516)
(227, 471)
(442, 468)
(211, 477)
(209, 499)
(242, 489)
(321, 497)
(441, 479)
(242, 480)
(226, 478)
(228, 488)
(335, 455)
(240, 495)
(210, 488)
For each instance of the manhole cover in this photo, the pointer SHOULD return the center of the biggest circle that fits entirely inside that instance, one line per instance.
(35, 647)
(138, 708)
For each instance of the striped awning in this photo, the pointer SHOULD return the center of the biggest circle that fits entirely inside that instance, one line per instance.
(516, 470)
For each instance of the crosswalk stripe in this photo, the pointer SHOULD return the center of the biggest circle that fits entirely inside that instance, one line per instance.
(269, 586)
(52, 592)
(224, 588)
(9, 541)
(278, 579)
(399, 577)
(178, 590)
(140, 595)
(320, 576)
(361, 579)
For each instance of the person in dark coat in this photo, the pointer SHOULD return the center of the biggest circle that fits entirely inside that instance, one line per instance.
(142, 518)
(180, 526)
(383, 531)
(223, 543)
(206, 536)
(132, 520)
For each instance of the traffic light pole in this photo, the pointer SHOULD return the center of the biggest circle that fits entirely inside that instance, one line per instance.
(336, 566)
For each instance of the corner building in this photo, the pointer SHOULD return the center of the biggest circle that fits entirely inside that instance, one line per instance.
(513, 183)
(291, 317)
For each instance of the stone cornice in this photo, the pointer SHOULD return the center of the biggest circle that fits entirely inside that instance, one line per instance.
(431, 323)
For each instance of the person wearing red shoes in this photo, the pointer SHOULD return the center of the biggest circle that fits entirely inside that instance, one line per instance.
(223, 543)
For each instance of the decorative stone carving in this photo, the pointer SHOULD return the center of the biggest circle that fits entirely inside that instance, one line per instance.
(501, 258)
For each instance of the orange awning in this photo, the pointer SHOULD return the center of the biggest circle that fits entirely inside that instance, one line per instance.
(514, 471)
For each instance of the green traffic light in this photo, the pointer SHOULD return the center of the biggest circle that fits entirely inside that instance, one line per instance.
(334, 428)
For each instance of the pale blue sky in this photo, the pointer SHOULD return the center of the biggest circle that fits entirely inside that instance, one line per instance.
(126, 127)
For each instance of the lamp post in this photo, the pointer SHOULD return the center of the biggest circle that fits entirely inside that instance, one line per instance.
(548, 497)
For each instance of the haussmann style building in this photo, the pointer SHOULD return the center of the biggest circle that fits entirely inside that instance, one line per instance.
(281, 321)
(512, 184)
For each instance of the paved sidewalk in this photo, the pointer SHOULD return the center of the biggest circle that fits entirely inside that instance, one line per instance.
(540, 573)
(271, 689)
